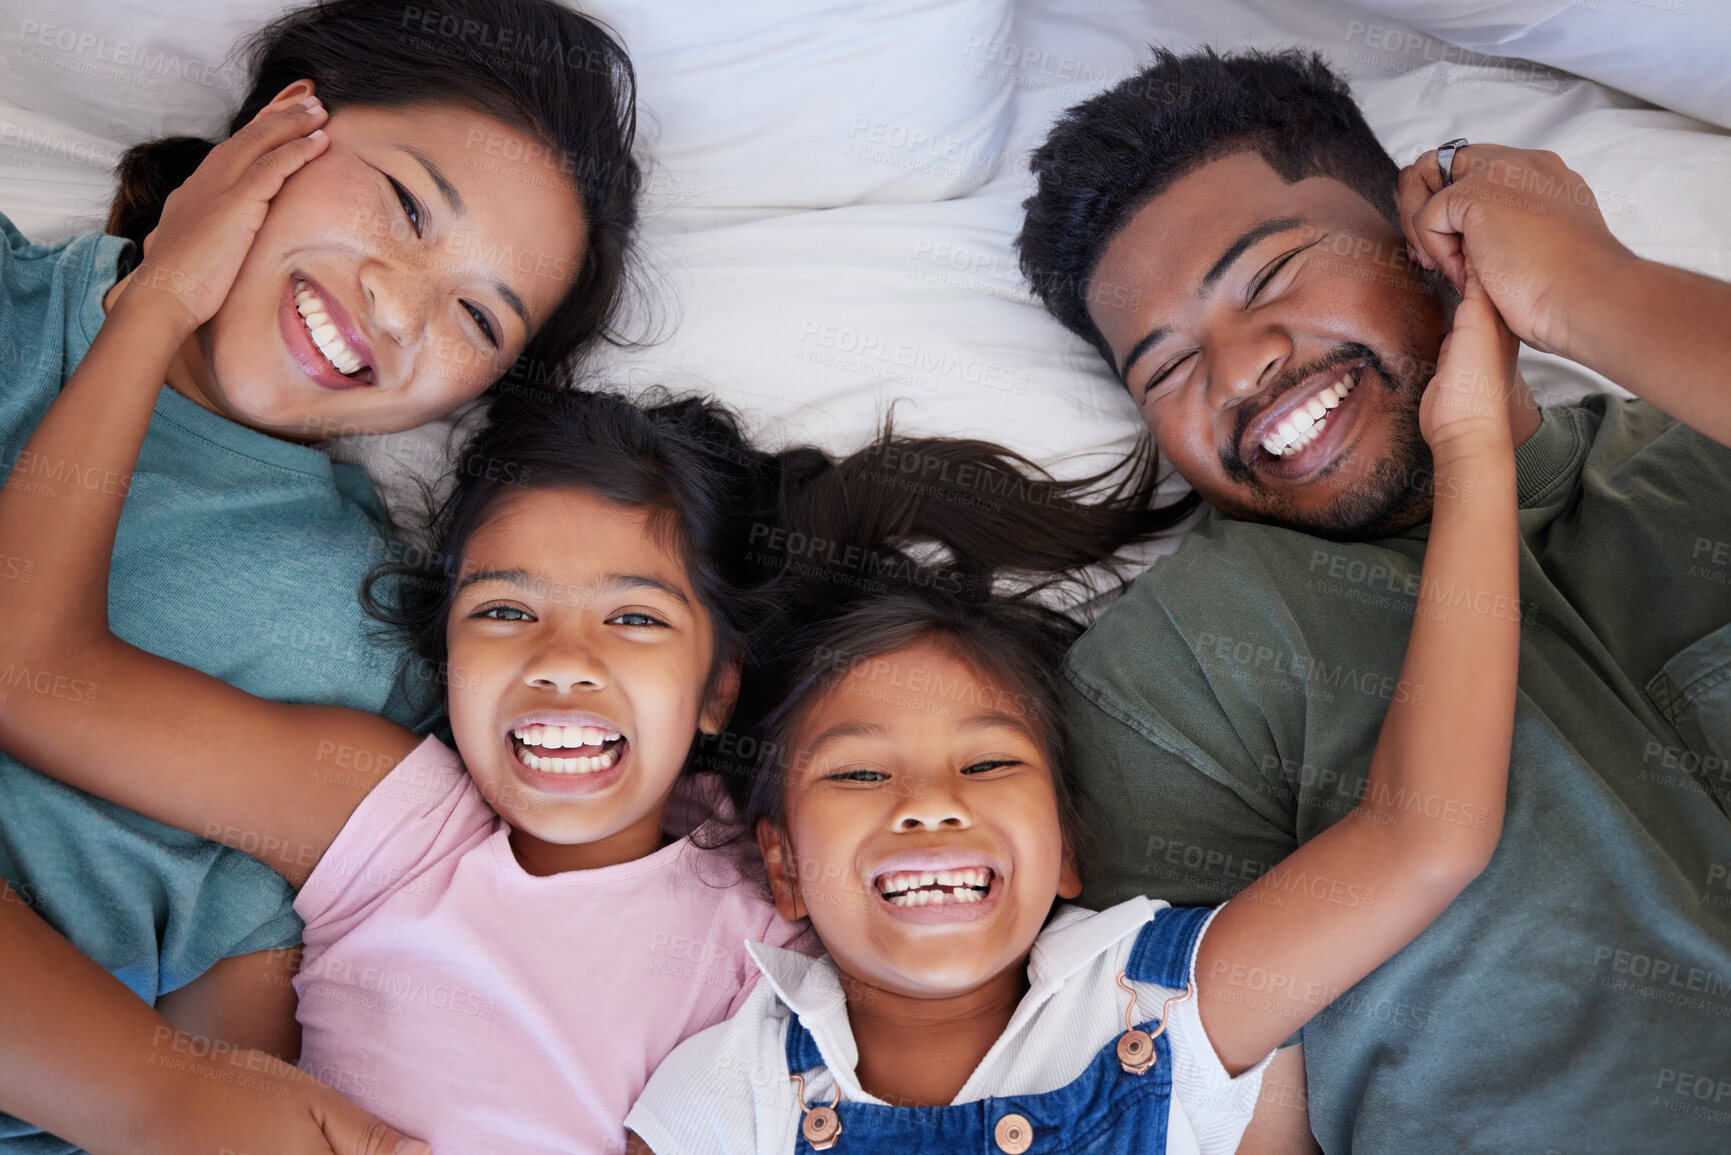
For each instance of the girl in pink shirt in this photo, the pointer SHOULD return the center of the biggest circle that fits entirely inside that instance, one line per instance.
(502, 940)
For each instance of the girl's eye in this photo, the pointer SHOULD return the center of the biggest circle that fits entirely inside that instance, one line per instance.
(859, 774)
(991, 764)
(635, 618)
(503, 614)
(486, 327)
(411, 208)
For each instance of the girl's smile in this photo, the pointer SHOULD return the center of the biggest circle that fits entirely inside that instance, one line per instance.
(922, 835)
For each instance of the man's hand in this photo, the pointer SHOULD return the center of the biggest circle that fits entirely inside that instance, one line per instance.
(1528, 225)
(1532, 232)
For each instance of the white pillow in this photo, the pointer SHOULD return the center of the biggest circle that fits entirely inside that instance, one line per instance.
(815, 103)
(1674, 53)
(813, 323)
(777, 103)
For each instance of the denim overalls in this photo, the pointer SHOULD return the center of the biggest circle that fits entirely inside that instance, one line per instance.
(1105, 1110)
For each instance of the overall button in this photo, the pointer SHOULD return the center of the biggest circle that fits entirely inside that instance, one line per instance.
(1014, 1134)
(1136, 1052)
(821, 1128)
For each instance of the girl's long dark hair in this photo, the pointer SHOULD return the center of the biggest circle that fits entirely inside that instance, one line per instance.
(958, 542)
(536, 65)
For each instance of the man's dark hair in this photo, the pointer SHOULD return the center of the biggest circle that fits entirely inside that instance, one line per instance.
(1110, 155)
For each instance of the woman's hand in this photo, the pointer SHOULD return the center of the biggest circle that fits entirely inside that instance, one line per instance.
(248, 1101)
(1466, 405)
(208, 223)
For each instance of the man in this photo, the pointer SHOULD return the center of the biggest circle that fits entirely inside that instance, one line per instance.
(1232, 238)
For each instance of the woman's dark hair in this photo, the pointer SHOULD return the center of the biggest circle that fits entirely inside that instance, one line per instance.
(1110, 155)
(684, 461)
(535, 65)
(957, 542)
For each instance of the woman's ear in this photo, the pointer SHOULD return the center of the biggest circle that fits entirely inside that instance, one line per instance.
(778, 860)
(1069, 875)
(718, 704)
(299, 90)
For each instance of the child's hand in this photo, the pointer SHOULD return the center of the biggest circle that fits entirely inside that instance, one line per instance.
(1466, 405)
(208, 223)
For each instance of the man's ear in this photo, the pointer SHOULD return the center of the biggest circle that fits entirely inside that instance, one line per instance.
(778, 860)
(1069, 875)
(718, 704)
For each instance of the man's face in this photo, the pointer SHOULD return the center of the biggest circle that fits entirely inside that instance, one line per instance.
(1239, 309)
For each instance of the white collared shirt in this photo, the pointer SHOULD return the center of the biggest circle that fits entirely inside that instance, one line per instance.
(727, 1089)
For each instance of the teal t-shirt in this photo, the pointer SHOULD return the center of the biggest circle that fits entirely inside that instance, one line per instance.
(237, 554)
(1577, 996)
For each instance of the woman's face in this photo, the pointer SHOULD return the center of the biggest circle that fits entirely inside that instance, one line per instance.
(922, 834)
(395, 277)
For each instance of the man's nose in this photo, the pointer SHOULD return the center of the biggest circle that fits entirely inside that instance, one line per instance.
(1243, 359)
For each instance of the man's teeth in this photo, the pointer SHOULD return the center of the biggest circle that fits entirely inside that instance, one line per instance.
(567, 738)
(324, 332)
(1305, 424)
(935, 887)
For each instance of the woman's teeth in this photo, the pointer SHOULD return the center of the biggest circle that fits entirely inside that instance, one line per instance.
(935, 887)
(1305, 424)
(531, 738)
(323, 331)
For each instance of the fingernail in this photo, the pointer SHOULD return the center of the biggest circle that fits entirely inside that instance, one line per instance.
(316, 134)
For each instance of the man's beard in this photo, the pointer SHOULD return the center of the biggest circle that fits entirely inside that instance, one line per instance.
(1395, 492)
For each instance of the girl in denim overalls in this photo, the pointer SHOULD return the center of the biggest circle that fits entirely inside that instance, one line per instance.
(914, 808)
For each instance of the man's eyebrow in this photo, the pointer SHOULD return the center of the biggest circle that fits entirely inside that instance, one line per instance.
(454, 199)
(1256, 233)
(1142, 346)
(1211, 278)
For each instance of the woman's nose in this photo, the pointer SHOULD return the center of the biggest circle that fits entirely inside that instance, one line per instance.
(397, 298)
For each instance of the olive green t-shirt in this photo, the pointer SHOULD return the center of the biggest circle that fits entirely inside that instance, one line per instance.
(1577, 996)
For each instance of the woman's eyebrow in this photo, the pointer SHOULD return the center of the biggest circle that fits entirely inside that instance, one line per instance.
(453, 198)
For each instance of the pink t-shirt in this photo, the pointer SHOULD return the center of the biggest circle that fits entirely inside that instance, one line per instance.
(484, 1009)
